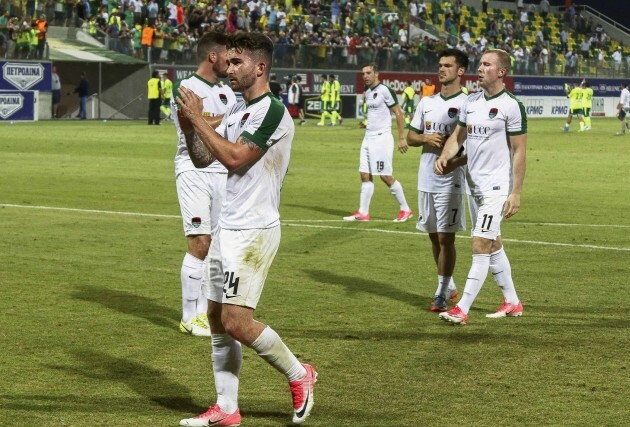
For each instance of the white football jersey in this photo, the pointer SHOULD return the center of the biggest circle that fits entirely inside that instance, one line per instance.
(252, 196)
(437, 114)
(379, 100)
(217, 99)
(488, 123)
(624, 99)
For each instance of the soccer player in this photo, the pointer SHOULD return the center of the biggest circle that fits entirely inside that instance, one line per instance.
(623, 109)
(408, 96)
(587, 90)
(494, 125)
(201, 191)
(575, 107)
(167, 87)
(441, 210)
(325, 100)
(254, 143)
(335, 100)
(377, 149)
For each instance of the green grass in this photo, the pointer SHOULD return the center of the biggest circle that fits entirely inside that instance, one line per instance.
(90, 301)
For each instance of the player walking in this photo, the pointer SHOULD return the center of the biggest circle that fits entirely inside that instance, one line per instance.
(201, 191)
(254, 143)
(441, 205)
(494, 126)
(377, 149)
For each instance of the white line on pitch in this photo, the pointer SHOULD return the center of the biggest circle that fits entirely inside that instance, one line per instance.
(378, 230)
(558, 224)
(291, 223)
(52, 208)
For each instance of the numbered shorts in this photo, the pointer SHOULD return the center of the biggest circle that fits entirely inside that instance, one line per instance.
(377, 152)
(441, 212)
(238, 264)
(486, 214)
(200, 197)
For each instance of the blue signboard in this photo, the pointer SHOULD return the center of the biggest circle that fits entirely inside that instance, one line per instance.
(16, 75)
(554, 86)
(17, 105)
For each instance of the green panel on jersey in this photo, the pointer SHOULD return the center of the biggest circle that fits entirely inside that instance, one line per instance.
(393, 96)
(270, 123)
(521, 107)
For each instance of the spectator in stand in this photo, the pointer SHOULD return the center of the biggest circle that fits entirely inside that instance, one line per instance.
(617, 59)
(544, 8)
(42, 30)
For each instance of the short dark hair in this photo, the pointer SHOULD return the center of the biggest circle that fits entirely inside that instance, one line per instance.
(154, 75)
(331, 76)
(461, 59)
(257, 43)
(209, 42)
(372, 65)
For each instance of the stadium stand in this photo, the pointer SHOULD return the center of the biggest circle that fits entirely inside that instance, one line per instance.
(337, 34)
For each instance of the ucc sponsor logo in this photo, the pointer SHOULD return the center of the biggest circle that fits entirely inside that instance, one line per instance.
(437, 127)
(476, 130)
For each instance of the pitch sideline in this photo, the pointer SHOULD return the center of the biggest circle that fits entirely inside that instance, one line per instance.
(301, 223)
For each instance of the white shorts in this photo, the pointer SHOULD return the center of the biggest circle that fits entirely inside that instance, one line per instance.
(377, 152)
(238, 263)
(200, 197)
(441, 212)
(486, 213)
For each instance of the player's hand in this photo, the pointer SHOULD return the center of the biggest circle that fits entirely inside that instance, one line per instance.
(402, 145)
(434, 140)
(512, 205)
(190, 104)
(440, 166)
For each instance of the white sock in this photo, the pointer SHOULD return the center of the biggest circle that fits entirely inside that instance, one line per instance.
(227, 358)
(192, 269)
(451, 285)
(270, 347)
(397, 191)
(367, 189)
(502, 272)
(476, 276)
(443, 284)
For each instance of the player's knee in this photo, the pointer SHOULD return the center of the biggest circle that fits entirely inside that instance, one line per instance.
(389, 180)
(447, 240)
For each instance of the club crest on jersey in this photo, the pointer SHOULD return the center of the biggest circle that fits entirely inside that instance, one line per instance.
(244, 119)
(196, 222)
(223, 98)
(427, 125)
(374, 96)
(493, 113)
(452, 112)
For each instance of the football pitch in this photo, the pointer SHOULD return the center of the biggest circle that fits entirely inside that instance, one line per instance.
(91, 246)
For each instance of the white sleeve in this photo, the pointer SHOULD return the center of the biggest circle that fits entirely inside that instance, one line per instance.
(417, 123)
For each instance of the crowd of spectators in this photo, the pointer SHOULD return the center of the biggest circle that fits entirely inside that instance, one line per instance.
(335, 34)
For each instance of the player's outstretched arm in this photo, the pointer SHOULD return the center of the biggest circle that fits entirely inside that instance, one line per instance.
(400, 122)
(450, 150)
(232, 156)
(513, 202)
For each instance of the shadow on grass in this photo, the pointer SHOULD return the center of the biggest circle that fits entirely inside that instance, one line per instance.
(144, 380)
(357, 285)
(464, 335)
(336, 213)
(128, 303)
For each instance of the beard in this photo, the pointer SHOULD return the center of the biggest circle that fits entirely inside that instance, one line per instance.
(246, 81)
